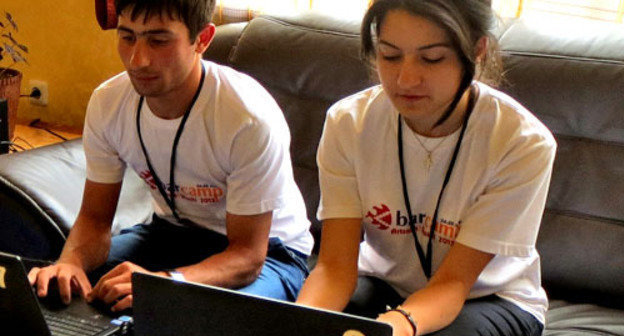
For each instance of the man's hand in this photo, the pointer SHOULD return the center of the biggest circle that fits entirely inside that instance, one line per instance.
(115, 287)
(71, 278)
(87, 244)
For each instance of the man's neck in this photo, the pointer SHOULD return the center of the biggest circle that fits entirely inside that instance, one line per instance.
(175, 103)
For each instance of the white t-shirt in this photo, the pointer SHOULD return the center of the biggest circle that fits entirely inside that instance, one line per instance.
(233, 154)
(493, 202)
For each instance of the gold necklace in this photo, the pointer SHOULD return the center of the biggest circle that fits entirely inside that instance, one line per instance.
(428, 161)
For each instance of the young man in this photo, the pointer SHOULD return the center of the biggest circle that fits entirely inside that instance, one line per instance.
(214, 148)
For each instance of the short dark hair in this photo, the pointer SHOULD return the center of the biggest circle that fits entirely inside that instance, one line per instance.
(195, 14)
(464, 21)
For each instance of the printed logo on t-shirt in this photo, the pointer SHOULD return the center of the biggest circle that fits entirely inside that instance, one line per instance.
(201, 193)
(149, 179)
(381, 217)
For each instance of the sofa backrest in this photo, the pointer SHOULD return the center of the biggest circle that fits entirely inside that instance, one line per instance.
(572, 78)
(571, 75)
(307, 63)
(40, 196)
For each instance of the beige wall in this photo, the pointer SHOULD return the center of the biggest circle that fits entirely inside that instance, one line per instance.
(68, 50)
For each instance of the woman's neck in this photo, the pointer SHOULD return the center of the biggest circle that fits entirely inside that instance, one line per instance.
(427, 127)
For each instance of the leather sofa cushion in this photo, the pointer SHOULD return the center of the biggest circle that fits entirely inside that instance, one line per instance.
(572, 78)
(306, 65)
(567, 319)
(50, 182)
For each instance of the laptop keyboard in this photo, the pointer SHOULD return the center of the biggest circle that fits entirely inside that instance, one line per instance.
(67, 325)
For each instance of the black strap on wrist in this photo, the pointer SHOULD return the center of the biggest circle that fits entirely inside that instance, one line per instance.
(407, 316)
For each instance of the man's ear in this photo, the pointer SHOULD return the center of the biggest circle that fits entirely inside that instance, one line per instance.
(204, 38)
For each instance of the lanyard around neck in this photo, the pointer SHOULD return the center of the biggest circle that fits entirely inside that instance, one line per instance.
(171, 198)
(425, 258)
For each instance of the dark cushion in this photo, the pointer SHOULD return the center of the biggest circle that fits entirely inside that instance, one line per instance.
(307, 63)
(43, 192)
(568, 319)
(574, 83)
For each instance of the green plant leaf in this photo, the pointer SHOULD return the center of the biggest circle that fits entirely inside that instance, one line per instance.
(16, 55)
(8, 48)
(10, 19)
(9, 45)
(10, 37)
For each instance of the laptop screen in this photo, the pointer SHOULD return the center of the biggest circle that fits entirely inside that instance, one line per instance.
(164, 306)
(19, 309)
(21, 313)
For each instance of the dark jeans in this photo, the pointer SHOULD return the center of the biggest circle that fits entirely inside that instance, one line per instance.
(161, 245)
(489, 315)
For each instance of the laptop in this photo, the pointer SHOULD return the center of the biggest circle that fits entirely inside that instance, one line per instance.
(163, 306)
(22, 313)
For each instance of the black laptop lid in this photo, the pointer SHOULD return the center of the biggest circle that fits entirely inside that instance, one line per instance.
(19, 309)
(163, 306)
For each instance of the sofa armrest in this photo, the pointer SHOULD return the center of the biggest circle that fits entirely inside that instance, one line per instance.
(41, 192)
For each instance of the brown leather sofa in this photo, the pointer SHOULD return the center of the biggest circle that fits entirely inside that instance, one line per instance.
(570, 76)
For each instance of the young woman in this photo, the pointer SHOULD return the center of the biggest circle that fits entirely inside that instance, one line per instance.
(446, 177)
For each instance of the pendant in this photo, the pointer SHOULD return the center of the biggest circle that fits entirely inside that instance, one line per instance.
(428, 162)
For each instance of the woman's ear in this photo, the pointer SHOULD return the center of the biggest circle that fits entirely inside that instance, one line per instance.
(481, 49)
(204, 38)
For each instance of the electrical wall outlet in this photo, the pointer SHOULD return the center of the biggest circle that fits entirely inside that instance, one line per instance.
(40, 98)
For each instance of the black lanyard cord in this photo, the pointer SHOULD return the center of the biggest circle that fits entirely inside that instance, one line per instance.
(170, 200)
(425, 259)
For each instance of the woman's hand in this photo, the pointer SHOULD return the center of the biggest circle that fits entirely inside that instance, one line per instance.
(400, 324)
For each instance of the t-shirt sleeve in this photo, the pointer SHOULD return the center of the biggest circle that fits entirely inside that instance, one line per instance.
(103, 162)
(340, 197)
(260, 168)
(506, 217)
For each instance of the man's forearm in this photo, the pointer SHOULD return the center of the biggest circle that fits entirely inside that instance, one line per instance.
(88, 243)
(87, 246)
(232, 268)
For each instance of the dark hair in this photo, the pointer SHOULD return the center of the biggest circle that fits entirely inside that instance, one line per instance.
(195, 14)
(465, 22)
